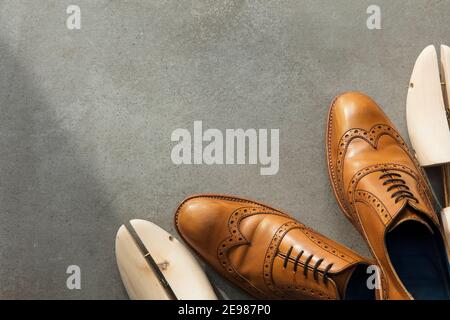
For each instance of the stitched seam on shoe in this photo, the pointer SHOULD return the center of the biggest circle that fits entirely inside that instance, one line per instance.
(388, 166)
(231, 242)
(373, 201)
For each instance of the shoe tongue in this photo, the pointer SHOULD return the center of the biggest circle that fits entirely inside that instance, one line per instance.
(409, 214)
(342, 278)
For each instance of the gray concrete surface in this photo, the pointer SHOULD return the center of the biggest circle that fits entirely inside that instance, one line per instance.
(87, 115)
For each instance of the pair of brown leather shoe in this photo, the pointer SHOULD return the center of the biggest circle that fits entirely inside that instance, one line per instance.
(380, 188)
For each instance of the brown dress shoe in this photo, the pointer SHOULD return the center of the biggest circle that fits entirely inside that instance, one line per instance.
(269, 254)
(384, 193)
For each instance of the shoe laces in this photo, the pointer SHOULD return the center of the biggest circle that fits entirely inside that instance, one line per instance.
(395, 182)
(305, 266)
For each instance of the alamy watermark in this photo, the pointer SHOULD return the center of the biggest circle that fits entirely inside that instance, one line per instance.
(233, 146)
(374, 20)
(73, 281)
(73, 21)
(373, 280)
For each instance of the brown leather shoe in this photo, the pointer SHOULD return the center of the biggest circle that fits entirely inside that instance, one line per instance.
(384, 193)
(269, 254)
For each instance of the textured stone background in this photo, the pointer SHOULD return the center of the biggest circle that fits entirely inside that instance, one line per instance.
(86, 116)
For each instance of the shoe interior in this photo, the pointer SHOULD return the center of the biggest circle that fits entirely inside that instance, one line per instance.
(420, 259)
(357, 288)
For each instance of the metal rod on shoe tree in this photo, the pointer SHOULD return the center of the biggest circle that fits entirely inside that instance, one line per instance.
(151, 262)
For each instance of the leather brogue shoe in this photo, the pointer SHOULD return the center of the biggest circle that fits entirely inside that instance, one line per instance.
(384, 193)
(267, 253)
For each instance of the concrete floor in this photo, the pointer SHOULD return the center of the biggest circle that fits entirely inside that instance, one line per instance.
(87, 116)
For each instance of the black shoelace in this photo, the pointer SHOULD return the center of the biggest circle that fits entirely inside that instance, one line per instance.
(306, 264)
(396, 183)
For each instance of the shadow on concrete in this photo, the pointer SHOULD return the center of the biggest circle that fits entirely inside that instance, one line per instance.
(53, 212)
